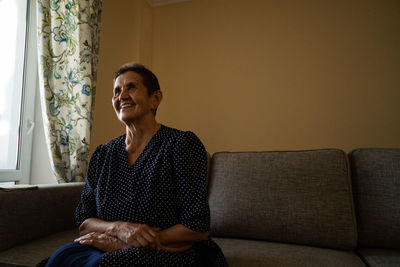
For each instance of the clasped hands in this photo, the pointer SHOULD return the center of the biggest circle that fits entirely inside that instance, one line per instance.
(123, 235)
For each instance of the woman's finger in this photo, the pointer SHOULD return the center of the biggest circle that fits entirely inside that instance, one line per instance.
(87, 236)
(136, 244)
(129, 237)
(153, 231)
(150, 230)
(148, 237)
(88, 242)
(143, 242)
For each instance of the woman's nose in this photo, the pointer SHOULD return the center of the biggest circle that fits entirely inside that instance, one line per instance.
(124, 93)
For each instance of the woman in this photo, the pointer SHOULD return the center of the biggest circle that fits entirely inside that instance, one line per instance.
(145, 200)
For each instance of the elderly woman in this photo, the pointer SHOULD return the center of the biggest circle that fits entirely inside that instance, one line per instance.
(145, 200)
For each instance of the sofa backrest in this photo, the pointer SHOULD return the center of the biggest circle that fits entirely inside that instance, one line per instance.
(301, 197)
(30, 214)
(376, 187)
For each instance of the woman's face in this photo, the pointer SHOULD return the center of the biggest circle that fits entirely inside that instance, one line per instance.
(131, 100)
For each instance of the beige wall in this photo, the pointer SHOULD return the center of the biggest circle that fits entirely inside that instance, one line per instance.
(126, 35)
(263, 75)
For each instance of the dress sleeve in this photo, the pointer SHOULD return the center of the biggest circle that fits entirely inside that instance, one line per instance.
(190, 169)
(87, 205)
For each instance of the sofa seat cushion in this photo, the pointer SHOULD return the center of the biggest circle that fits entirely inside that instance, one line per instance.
(380, 257)
(299, 197)
(376, 187)
(32, 253)
(249, 253)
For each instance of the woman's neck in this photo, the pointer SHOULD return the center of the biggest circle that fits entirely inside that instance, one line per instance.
(139, 134)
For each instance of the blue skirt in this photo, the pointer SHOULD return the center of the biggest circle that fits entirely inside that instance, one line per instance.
(204, 253)
(74, 255)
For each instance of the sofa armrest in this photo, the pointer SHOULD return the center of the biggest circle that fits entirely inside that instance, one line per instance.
(29, 214)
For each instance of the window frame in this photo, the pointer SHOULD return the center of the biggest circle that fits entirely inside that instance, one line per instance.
(21, 175)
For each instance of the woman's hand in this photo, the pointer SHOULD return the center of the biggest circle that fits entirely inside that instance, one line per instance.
(135, 235)
(101, 241)
(176, 238)
(132, 234)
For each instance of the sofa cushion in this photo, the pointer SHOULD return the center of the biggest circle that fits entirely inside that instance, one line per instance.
(249, 253)
(301, 197)
(50, 209)
(33, 252)
(380, 257)
(376, 187)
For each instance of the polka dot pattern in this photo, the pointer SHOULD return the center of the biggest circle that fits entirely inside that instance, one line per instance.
(164, 187)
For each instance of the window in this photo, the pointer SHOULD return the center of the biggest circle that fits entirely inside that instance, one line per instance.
(18, 83)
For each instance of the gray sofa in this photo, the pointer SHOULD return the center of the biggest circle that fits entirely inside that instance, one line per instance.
(281, 208)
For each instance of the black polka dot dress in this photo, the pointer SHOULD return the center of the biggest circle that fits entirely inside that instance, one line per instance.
(164, 187)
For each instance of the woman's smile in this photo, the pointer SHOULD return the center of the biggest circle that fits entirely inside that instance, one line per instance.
(127, 105)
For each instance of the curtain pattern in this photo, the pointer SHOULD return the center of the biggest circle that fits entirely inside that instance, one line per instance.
(68, 45)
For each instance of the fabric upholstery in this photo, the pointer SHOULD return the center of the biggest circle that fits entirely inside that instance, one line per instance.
(376, 186)
(380, 257)
(36, 213)
(252, 253)
(301, 197)
(31, 253)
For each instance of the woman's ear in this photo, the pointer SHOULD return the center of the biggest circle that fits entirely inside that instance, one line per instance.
(157, 97)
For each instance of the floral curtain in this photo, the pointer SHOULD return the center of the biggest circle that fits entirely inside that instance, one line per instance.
(68, 45)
